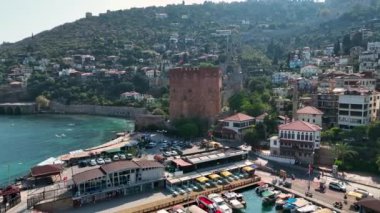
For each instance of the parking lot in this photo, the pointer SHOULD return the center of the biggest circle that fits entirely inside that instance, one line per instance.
(159, 144)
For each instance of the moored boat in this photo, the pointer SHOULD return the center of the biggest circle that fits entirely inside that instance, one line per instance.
(206, 204)
(220, 203)
(269, 197)
(262, 187)
(230, 198)
(240, 198)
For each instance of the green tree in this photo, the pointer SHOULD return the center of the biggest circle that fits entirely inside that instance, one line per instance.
(346, 44)
(252, 138)
(188, 130)
(158, 111)
(337, 48)
(374, 131)
(42, 101)
(378, 161)
(342, 151)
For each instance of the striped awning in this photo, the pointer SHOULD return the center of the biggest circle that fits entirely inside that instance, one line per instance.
(226, 173)
(248, 169)
(202, 179)
(214, 176)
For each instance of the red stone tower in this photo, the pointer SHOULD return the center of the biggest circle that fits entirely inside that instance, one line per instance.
(195, 92)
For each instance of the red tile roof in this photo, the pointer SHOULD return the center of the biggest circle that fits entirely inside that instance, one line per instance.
(46, 170)
(87, 175)
(239, 117)
(300, 126)
(180, 162)
(149, 164)
(310, 110)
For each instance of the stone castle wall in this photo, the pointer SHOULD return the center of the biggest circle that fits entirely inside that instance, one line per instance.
(127, 112)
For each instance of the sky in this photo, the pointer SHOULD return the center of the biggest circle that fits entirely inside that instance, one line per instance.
(22, 18)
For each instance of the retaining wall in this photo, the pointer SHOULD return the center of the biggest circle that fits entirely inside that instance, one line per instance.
(116, 111)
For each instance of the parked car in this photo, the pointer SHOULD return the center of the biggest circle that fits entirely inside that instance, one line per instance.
(92, 162)
(364, 192)
(167, 154)
(100, 161)
(122, 156)
(107, 160)
(129, 156)
(151, 145)
(115, 158)
(338, 186)
(82, 163)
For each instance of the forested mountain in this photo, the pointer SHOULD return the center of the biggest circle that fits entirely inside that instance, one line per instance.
(107, 33)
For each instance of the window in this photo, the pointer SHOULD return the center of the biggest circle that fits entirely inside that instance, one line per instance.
(275, 142)
(313, 120)
(298, 136)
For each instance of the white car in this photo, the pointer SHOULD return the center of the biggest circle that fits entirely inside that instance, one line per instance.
(107, 160)
(92, 162)
(100, 161)
(122, 156)
(115, 158)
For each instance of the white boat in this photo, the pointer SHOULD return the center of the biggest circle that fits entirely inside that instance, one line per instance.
(221, 205)
(231, 199)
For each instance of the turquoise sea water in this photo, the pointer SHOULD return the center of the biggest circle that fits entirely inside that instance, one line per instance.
(254, 203)
(27, 140)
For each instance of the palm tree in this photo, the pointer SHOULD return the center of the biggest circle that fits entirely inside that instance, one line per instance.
(343, 150)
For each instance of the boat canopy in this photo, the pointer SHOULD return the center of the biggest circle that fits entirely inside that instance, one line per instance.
(307, 208)
(226, 173)
(325, 210)
(267, 193)
(291, 200)
(301, 202)
(214, 176)
(202, 179)
(248, 169)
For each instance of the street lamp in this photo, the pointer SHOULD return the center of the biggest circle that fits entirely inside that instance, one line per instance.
(310, 169)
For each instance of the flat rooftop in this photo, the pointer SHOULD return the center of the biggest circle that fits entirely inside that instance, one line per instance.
(213, 155)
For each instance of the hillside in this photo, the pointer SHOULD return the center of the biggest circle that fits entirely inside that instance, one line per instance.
(109, 32)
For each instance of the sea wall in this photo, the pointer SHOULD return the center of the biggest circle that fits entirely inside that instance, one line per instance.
(279, 159)
(149, 121)
(127, 112)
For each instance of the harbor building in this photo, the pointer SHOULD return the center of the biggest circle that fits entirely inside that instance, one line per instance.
(117, 178)
(299, 140)
(195, 93)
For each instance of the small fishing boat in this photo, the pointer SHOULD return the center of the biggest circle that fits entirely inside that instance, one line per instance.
(240, 198)
(220, 203)
(289, 205)
(269, 197)
(262, 187)
(230, 198)
(279, 204)
(206, 204)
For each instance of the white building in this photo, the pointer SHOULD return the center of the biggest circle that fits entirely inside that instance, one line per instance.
(356, 107)
(123, 177)
(310, 70)
(310, 114)
(234, 126)
(373, 47)
(298, 139)
(132, 96)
